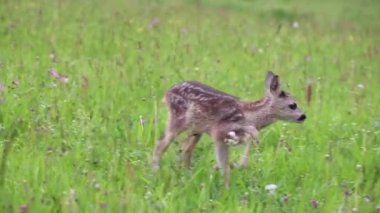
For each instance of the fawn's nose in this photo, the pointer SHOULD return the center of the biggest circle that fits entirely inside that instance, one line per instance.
(302, 117)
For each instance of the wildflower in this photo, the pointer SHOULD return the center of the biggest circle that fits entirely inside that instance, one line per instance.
(295, 25)
(154, 23)
(285, 198)
(360, 86)
(24, 208)
(314, 203)
(103, 205)
(53, 73)
(63, 79)
(97, 186)
(51, 56)
(271, 188)
(359, 166)
(2, 87)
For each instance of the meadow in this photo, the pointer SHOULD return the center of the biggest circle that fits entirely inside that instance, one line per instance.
(81, 84)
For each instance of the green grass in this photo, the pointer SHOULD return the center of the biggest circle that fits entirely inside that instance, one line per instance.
(81, 147)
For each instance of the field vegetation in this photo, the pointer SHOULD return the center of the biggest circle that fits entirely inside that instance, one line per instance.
(81, 84)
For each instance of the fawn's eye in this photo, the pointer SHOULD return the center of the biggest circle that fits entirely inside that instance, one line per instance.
(293, 106)
(282, 94)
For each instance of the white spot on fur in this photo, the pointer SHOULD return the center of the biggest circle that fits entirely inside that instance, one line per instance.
(233, 140)
(233, 135)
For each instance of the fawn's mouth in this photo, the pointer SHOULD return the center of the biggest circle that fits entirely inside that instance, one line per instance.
(302, 118)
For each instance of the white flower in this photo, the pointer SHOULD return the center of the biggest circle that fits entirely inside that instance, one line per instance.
(271, 188)
(360, 86)
(295, 25)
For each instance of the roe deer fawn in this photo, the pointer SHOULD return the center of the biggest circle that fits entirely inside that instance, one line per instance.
(197, 108)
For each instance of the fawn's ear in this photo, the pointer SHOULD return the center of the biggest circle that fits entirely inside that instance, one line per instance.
(272, 83)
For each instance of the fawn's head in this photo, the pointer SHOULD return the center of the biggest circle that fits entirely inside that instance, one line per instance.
(283, 105)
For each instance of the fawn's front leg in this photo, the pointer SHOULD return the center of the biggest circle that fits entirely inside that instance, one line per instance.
(251, 135)
(218, 134)
(221, 152)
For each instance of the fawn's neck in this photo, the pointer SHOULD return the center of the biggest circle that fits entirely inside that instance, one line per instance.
(259, 112)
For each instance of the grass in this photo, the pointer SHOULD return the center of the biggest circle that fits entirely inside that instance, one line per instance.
(84, 145)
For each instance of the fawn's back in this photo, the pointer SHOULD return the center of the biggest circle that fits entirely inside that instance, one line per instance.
(199, 106)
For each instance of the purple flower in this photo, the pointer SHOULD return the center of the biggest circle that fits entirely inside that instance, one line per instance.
(2, 87)
(285, 198)
(103, 205)
(63, 79)
(314, 203)
(155, 22)
(24, 208)
(53, 73)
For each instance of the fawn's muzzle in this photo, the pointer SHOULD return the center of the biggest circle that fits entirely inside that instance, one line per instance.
(302, 117)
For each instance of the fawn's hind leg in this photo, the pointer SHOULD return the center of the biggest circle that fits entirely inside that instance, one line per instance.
(174, 128)
(188, 147)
